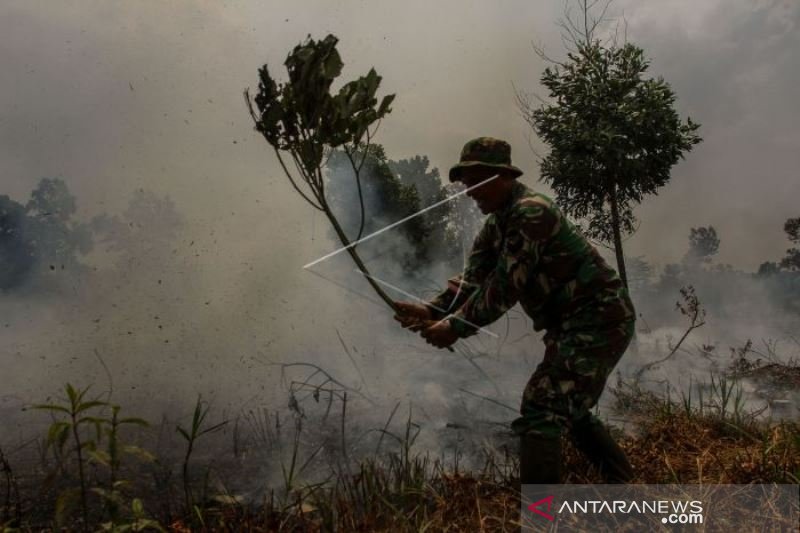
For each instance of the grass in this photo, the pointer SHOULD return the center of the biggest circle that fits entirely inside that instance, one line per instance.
(704, 435)
(707, 436)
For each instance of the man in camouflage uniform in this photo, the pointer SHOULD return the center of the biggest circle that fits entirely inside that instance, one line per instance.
(528, 252)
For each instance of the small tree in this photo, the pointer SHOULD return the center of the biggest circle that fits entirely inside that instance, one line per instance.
(74, 417)
(394, 190)
(416, 171)
(17, 250)
(386, 199)
(613, 133)
(304, 120)
(703, 245)
(792, 259)
(447, 230)
(641, 273)
(143, 234)
(41, 235)
(767, 269)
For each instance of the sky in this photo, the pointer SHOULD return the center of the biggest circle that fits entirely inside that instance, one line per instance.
(114, 97)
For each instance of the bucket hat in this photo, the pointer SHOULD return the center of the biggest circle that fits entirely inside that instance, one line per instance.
(485, 152)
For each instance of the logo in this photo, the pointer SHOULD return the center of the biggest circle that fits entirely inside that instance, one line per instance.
(534, 507)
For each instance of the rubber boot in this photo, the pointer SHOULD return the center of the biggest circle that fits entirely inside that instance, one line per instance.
(539, 460)
(593, 439)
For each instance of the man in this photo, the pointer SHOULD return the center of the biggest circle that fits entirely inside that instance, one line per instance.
(528, 252)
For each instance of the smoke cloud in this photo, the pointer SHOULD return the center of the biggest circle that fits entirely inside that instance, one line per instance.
(195, 281)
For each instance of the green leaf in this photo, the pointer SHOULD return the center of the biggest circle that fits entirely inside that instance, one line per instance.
(199, 514)
(65, 503)
(141, 453)
(183, 433)
(89, 405)
(228, 499)
(58, 434)
(110, 496)
(213, 428)
(100, 456)
(72, 394)
(143, 524)
(136, 421)
(332, 65)
(52, 407)
(92, 420)
(371, 82)
(199, 416)
(385, 103)
(137, 507)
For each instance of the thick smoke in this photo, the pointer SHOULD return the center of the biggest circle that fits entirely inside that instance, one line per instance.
(194, 283)
(392, 191)
(415, 260)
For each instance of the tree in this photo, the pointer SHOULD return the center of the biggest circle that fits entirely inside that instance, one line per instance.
(57, 237)
(767, 269)
(144, 233)
(613, 132)
(41, 235)
(703, 245)
(51, 198)
(415, 171)
(671, 277)
(792, 259)
(451, 224)
(302, 118)
(386, 198)
(17, 253)
(391, 191)
(641, 273)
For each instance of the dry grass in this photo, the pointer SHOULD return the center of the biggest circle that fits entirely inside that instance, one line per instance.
(709, 439)
(379, 498)
(673, 444)
(690, 440)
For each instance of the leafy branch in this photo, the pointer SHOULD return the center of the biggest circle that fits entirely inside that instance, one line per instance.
(302, 119)
(693, 310)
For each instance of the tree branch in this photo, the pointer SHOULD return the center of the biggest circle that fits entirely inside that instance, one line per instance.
(291, 180)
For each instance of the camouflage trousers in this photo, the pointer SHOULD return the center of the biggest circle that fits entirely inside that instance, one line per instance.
(571, 378)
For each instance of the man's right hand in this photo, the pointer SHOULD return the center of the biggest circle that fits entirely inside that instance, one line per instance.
(413, 316)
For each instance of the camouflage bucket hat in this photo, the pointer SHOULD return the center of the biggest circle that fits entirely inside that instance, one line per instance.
(485, 152)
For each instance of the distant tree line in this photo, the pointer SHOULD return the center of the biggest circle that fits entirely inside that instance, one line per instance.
(41, 234)
(721, 286)
(42, 238)
(393, 190)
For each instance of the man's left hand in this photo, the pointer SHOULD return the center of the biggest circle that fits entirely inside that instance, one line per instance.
(440, 334)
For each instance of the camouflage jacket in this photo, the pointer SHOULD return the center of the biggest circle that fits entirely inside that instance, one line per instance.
(529, 252)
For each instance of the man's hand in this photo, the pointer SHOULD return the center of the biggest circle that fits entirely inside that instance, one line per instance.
(413, 316)
(440, 334)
